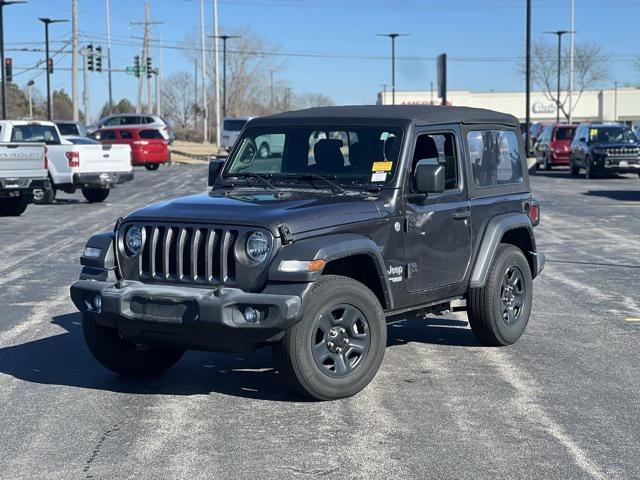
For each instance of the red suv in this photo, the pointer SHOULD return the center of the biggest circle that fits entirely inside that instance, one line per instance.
(148, 145)
(553, 144)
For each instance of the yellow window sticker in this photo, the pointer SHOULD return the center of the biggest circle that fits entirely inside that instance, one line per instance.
(382, 166)
(593, 133)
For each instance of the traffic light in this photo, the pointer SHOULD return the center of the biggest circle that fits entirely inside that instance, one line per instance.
(136, 66)
(50, 65)
(8, 70)
(90, 57)
(98, 59)
(149, 68)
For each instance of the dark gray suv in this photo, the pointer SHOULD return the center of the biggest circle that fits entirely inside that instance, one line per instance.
(368, 213)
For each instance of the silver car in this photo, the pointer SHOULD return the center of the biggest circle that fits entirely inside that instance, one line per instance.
(135, 119)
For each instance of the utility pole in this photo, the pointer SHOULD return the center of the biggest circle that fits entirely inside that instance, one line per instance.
(85, 81)
(159, 75)
(559, 34)
(48, 63)
(203, 70)
(145, 55)
(615, 101)
(272, 97)
(393, 37)
(74, 60)
(216, 59)
(528, 80)
(4, 84)
(108, 19)
(224, 39)
(30, 88)
(571, 52)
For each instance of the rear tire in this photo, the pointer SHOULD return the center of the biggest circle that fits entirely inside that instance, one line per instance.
(499, 312)
(151, 166)
(264, 150)
(121, 356)
(13, 207)
(338, 346)
(95, 195)
(45, 196)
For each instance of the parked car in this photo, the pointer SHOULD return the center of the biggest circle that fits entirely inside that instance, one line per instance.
(92, 168)
(82, 141)
(371, 212)
(69, 128)
(23, 170)
(534, 132)
(604, 148)
(552, 148)
(148, 146)
(231, 128)
(134, 120)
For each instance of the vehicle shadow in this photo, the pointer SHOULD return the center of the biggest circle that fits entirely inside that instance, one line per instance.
(65, 360)
(619, 195)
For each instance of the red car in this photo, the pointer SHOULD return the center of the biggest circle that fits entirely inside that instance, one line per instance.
(553, 144)
(148, 145)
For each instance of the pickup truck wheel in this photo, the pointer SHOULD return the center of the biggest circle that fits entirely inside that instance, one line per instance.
(264, 150)
(151, 166)
(338, 346)
(121, 356)
(95, 195)
(499, 312)
(44, 196)
(13, 207)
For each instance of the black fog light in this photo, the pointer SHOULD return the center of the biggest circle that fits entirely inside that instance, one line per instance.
(97, 303)
(250, 315)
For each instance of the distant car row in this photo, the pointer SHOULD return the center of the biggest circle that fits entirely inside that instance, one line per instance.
(597, 148)
(38, 159)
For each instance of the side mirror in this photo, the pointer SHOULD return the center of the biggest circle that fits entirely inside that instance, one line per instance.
(429, 178)
(215, 167)
(582, 140)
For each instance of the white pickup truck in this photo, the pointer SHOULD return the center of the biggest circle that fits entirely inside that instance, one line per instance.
(92, 168)
(23, 170)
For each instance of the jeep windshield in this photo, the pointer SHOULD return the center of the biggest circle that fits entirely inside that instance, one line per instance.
(612, 134)
(334, 157)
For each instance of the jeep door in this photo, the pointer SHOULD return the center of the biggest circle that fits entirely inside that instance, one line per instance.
(438, 230)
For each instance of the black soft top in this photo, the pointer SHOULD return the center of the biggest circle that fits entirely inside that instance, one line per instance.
(417, 114)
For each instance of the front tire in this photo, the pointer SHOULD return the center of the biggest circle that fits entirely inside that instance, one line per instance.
(13, 207)
(95, 195)
(545, 163)
(45, 196)
(573, 169)
(499, 312)
(338, 346)
(121, 356)
(151, 166)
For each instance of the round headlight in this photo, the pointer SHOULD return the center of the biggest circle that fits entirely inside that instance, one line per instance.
(257, 247)
(133, 240)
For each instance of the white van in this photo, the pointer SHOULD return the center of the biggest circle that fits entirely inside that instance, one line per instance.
(231, 128)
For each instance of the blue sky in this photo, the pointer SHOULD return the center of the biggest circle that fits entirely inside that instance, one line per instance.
(482, 38)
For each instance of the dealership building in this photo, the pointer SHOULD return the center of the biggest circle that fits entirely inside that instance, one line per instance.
(621, 104)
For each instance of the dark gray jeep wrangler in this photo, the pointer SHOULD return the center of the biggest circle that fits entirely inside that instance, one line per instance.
(351, 218)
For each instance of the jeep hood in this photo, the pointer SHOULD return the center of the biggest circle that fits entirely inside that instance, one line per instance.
(302, 211)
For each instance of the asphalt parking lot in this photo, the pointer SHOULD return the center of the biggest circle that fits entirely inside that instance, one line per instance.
(562, 403)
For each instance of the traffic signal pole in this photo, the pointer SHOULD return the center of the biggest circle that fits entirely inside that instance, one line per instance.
(85, 89)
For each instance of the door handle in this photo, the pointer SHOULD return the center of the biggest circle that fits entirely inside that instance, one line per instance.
(461, 214)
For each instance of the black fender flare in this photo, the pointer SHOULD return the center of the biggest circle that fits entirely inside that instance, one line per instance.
(493, 233)
(329, 248)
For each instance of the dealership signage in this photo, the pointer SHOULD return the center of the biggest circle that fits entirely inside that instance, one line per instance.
(539, 107)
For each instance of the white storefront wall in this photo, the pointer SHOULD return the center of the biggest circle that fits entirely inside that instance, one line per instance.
(597, 105)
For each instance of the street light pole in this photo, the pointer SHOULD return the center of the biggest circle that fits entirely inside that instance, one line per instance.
(528, 80)
(393, 37)
(4, 84)
(224, 39)
(559, 34)
(47, 22)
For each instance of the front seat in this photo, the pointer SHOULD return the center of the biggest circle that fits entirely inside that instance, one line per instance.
(328, 156)
(425, 148)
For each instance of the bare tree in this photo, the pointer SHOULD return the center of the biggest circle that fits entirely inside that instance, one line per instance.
(307, 100)
(178, 99)
(591, 67)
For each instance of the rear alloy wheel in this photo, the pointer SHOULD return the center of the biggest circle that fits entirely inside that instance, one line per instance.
(264, 150)
(338, 346)
(95, 195)
(14, 206)
(44, 196)
(119, 355)
(151, 166)
(499, 312)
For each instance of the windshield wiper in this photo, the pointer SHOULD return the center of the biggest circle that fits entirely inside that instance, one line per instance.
(315, 176)
(257, 176)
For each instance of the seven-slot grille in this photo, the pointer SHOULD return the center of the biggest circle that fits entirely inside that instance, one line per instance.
(196, 254)
(623, 151)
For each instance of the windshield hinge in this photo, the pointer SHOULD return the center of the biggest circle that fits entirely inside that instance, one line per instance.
(285, 234)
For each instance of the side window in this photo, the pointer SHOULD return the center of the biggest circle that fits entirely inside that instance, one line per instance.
(126, 135)
(495, 158)
(108, 135)
(438, 149)
(112, 122)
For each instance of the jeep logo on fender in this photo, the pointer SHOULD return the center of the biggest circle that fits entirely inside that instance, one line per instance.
(395, 273)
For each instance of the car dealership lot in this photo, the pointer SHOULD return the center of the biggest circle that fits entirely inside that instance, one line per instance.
(563, 402)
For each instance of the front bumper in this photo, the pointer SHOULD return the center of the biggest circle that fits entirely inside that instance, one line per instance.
(102, 179)
(188, 317)
(538, 259)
